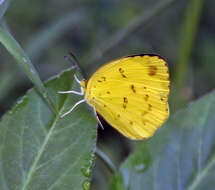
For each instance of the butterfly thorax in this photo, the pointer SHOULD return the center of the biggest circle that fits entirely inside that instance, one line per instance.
(84, 86)
(90, 92)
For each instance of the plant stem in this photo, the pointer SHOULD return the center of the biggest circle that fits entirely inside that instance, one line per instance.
(25, 63)
(106, 160)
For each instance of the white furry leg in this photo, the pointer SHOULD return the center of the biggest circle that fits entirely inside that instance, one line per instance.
(73, 107)
(71, 92)
(98, 119)
(77, 80)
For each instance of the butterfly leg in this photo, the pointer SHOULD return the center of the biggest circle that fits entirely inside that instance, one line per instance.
(99, 122)
(73, 107)
(76, 79)
(72, 91)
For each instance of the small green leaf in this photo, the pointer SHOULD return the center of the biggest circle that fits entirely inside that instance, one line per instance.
(41, 151)
(180, 155)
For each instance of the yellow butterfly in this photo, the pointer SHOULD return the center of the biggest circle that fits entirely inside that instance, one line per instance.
(130, 93)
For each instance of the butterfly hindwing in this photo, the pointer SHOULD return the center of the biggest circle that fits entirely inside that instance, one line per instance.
(131, 94)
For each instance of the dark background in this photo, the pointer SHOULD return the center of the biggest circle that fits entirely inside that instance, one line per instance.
(48, 30)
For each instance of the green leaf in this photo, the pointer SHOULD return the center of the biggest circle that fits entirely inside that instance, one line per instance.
(180, 156)
(39, 150)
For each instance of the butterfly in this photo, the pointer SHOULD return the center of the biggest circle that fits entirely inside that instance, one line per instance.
(130, 93)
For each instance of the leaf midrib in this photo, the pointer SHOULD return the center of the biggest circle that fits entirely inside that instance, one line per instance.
(45, 142)
(204, 172)
(33, 168)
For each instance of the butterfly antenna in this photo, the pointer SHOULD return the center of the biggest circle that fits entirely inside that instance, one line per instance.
(77, 63)
(68, 59)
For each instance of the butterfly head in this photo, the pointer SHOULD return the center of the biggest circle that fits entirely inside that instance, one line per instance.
(88, 95)
(83, 84)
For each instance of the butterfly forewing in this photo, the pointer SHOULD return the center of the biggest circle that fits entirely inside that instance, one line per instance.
(131, 94)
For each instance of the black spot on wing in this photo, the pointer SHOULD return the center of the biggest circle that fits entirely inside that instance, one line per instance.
(133, 88)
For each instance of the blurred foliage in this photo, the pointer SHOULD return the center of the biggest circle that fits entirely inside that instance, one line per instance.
(179, 156)
(48, 30)
(187, 36)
